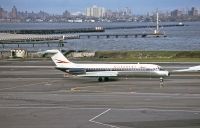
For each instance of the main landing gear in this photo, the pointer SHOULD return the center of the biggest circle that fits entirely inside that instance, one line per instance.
(101, 79)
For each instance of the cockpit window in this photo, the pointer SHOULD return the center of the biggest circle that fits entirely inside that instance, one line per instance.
(161, 69)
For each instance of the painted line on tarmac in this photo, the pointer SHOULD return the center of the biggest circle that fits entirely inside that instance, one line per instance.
(47, 107)
(158, 110)
(27, 85)
(22, 86)
(78, 89)
(96, 122)
(36, 106)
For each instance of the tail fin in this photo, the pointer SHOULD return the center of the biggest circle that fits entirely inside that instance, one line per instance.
(58, 58)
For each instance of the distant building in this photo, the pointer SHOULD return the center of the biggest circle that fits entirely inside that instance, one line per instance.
(108, 14)
(193, 12)
(66, 14)
(95, 11)
(81, 54)
(176, 13)
(19, 53)
(1, 13)
(42, 15)
(14, 12)
(127, 12)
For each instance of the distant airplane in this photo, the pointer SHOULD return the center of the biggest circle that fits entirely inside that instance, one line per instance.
(105, 71)
(190, 69)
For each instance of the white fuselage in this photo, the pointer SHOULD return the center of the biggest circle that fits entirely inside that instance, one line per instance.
(149, 70)
(106, 70)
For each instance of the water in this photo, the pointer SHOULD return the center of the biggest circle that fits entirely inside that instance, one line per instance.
(178, 38)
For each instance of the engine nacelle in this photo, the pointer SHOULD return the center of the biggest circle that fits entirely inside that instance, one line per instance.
(76, 71)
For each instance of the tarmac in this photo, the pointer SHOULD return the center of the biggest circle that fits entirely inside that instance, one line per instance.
(33, 94)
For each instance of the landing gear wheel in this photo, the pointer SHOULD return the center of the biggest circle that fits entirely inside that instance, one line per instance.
(106, 79)
(100, 79)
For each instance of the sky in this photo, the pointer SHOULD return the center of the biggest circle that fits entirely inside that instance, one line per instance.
(59, 6)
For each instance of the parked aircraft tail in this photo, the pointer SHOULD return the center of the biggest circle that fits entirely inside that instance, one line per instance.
(58, 58)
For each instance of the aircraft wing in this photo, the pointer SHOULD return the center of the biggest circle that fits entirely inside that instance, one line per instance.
(190, 69)
(182, 70)
(100, 74)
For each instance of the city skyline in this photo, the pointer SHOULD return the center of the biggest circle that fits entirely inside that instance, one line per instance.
(59, 6)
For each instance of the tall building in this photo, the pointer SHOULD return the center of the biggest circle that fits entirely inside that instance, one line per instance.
(14, 12)
(108, 14)
(127, 11)
(1, 13)
(95, 11)
(176, 13)
(66, 14)
(193, 12)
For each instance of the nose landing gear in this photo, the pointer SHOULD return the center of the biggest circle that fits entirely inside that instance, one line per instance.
(161, 82)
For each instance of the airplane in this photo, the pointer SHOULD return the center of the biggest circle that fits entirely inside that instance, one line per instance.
(105, 71)
(190, 69)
